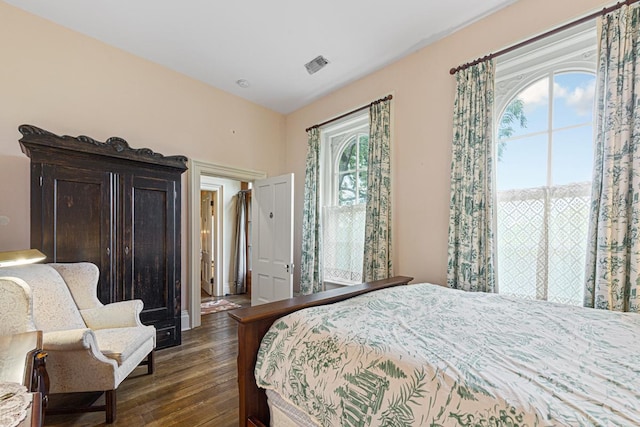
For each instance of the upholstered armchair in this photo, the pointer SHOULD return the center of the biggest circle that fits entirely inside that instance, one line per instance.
(90, 346)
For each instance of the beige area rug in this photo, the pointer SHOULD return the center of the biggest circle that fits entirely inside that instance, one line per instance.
(216, 306)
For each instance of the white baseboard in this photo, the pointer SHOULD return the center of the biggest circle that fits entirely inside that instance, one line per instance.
(184, 320)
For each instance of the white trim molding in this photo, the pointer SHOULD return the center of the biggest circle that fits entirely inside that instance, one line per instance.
(196, 170)
(184, 320)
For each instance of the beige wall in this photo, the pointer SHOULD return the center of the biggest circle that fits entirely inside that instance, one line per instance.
(71, 84)
(423, 92)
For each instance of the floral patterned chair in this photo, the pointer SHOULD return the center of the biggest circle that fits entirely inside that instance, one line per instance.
(90, 346)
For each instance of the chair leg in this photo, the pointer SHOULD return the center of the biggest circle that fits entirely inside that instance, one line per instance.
(110, 406)
(151, 363)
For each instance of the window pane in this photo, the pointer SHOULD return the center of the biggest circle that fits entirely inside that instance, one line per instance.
(572, 155)
(347, 188)
(523, 163)
(513, 121)
(364, 151)
(532, 104)
(348, 158)
(573, 98)
(362, 187)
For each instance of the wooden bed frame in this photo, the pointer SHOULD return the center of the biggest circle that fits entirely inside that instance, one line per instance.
(253, 324)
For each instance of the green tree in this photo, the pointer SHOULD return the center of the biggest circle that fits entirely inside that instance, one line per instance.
(352, 173)
(513, 116)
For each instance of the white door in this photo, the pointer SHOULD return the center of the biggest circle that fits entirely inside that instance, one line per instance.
(272, 239)
(206, 242)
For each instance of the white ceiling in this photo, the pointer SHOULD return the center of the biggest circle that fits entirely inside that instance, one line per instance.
(267, 42)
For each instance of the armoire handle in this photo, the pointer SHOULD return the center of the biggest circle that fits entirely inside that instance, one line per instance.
(126, 250)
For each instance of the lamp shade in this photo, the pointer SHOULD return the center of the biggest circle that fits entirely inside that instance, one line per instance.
(27, 256)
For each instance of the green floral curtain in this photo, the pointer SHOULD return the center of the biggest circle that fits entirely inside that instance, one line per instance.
(471, 215)
(612, 276)
(310, 270)
(377, 262)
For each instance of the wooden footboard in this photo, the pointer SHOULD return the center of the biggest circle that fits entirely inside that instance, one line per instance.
(254, 322)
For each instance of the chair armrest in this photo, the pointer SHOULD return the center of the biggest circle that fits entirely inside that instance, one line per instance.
(121, 314)
(73, 355)
(68, 340)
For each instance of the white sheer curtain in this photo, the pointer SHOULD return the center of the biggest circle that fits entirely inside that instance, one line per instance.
(541, 245)
(343, 243)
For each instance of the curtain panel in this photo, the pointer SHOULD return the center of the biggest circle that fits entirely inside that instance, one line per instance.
(471, 215)
(240, 259)
(310, 268)
(377, 263)
(613, 259)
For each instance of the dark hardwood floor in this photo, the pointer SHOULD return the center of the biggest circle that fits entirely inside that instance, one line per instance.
(195, 384)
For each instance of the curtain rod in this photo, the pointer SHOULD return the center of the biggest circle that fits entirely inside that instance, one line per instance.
(579, 21)
(386, 98)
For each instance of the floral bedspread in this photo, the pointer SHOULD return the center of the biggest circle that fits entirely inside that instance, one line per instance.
(422, 354)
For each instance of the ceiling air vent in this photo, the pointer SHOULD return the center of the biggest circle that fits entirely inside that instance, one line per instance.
(316, 64)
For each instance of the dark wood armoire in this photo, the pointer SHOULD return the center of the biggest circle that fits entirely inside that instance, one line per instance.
(114, 206)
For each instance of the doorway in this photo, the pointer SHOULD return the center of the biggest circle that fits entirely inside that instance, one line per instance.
(208, 240)
(198, 170)
(221, 217)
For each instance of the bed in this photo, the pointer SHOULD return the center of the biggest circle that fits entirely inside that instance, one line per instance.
(443, 357)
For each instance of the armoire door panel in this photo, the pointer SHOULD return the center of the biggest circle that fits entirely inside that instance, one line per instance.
(77, 220)
(149, 245)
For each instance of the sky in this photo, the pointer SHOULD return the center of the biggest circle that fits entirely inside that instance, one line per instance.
(524, 160)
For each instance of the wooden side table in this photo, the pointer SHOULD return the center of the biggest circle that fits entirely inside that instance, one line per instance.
(35, 417)
(24, 362)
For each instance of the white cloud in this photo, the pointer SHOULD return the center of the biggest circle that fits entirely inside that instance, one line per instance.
(580, 99)
(559, 91)
(536, 95)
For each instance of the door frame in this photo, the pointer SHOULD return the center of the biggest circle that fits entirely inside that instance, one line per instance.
(196, 170)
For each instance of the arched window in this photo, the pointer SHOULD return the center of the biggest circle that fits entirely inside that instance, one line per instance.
(345, 147)
(350, 178)
(544, 162)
